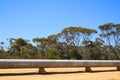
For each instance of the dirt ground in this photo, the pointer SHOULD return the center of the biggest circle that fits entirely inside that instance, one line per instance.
(104, 73)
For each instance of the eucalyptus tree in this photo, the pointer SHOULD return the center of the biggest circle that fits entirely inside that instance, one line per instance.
(2, 51)
(95, 48)
(110, 33)
(18, 44)
(67, 43)
(48, 47)
(41, 45)
(21, 48)
(60, 46)
(74, 37)
(1, 46)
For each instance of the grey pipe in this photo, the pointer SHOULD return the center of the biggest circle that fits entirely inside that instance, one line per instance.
(38, 63)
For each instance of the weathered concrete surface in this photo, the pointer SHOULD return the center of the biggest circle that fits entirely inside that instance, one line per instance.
(37, 63)
(41, 70)
(118, 68)
(88, 69)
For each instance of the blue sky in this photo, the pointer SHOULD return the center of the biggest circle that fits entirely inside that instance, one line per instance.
(29, 19)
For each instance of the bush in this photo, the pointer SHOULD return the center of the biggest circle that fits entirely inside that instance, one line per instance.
(52, 54)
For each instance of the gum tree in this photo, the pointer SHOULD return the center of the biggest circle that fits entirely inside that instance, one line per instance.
(110, 33)
(74, 38)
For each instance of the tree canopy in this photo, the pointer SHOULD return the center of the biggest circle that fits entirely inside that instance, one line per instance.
(71, 43)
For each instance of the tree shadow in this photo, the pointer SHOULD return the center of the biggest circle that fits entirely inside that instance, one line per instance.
(52, 73)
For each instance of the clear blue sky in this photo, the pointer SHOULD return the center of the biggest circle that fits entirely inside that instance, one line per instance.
(29, 19)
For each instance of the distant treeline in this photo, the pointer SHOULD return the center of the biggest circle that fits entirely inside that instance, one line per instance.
(70, 43)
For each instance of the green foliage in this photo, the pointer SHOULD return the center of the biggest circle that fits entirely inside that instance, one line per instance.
(52, 54)
(111, 36)
(73, 54)
(70, 43)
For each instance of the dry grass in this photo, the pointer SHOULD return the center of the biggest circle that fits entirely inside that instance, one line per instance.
(104, 73)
